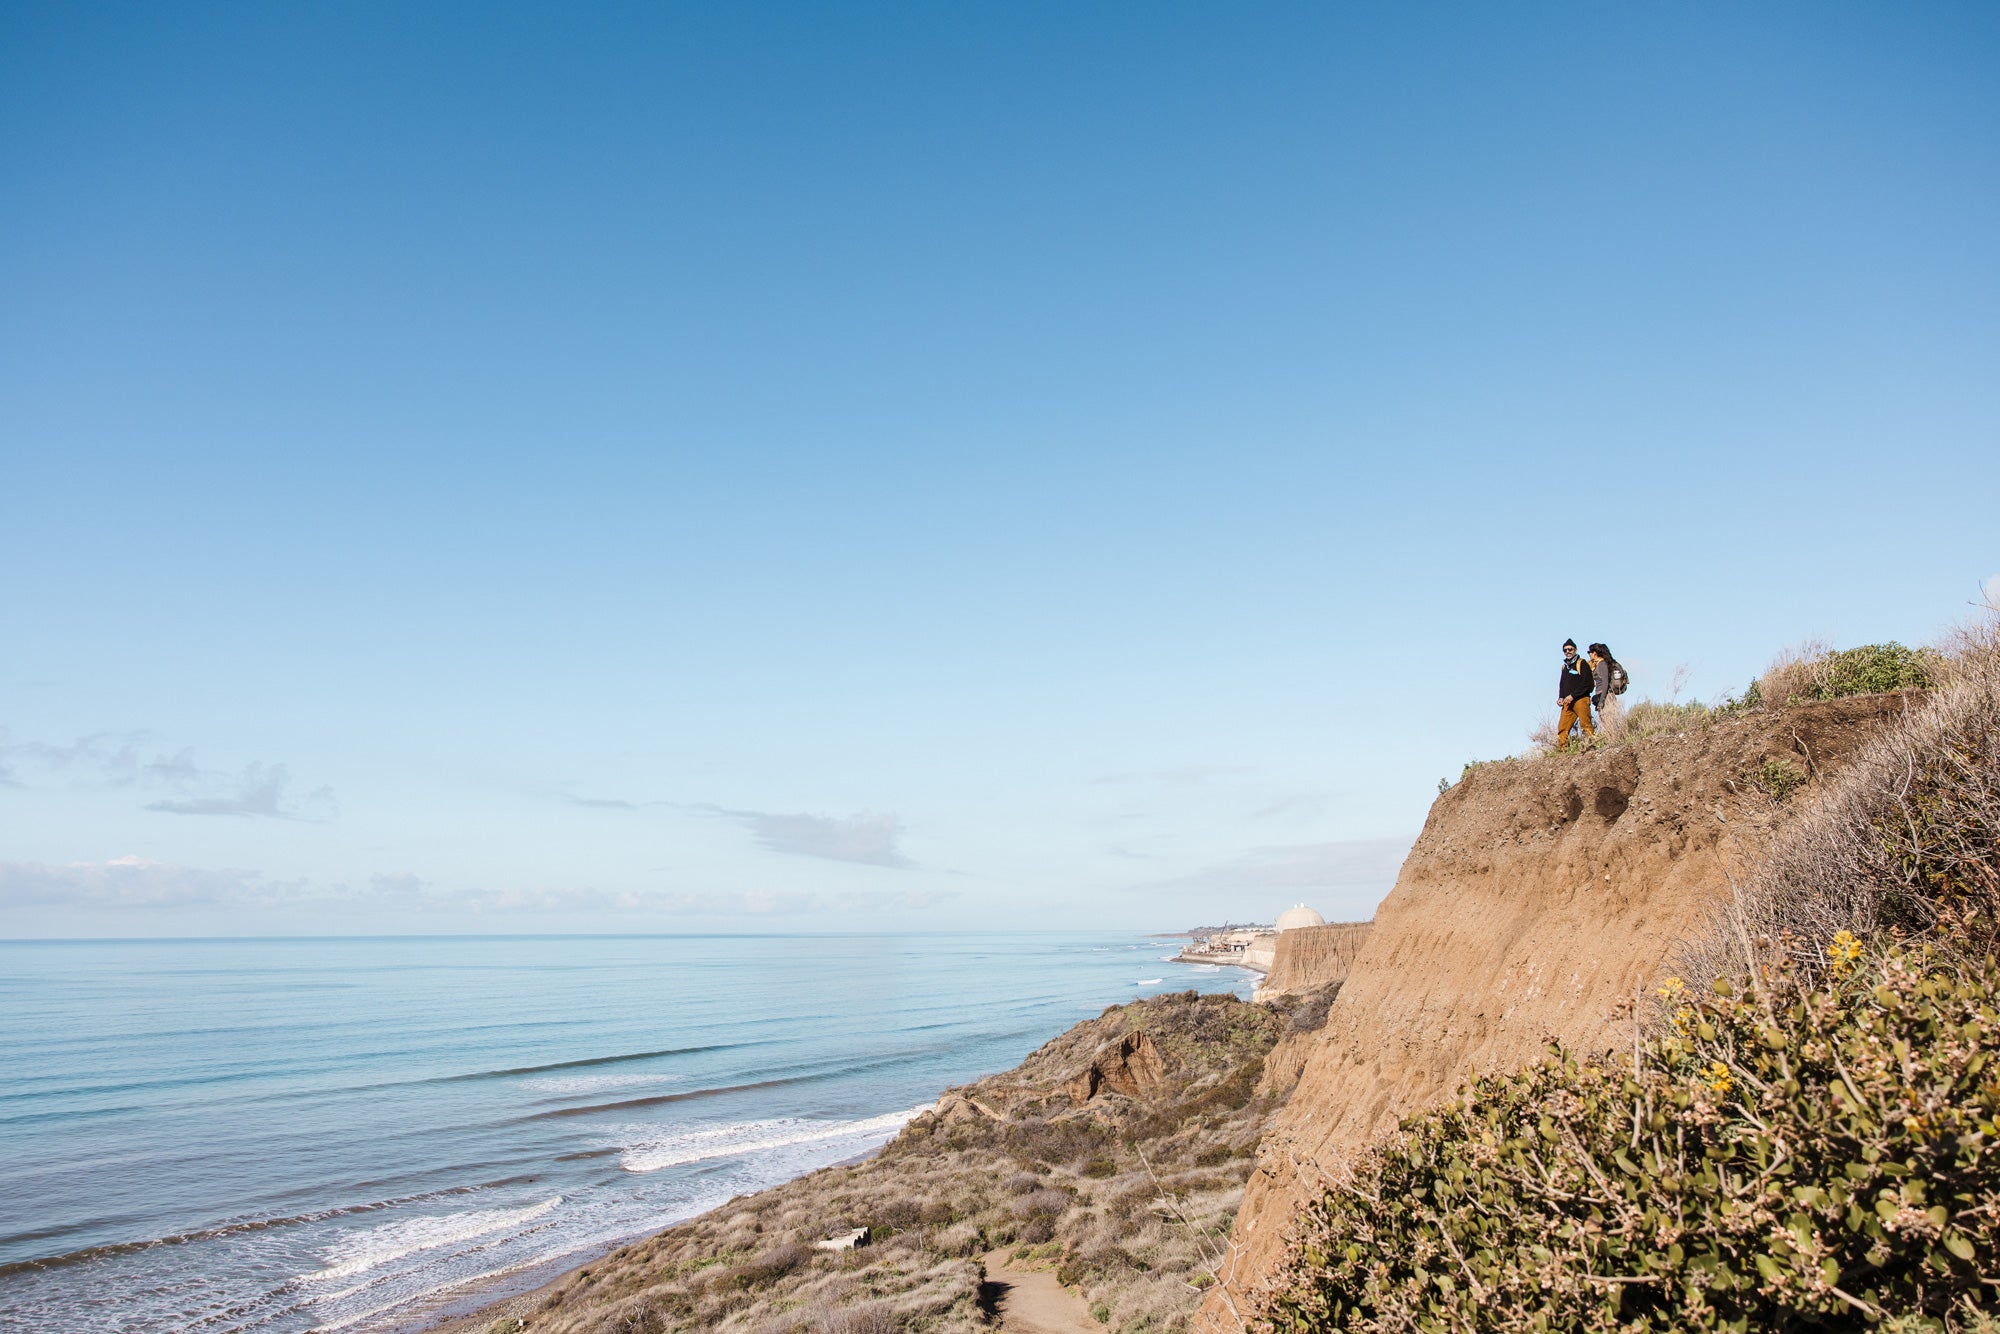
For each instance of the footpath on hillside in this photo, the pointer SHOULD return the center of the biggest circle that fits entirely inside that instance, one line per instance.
(1031, 1301)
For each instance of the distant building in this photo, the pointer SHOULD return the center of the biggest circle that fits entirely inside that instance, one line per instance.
(1248, 946)
(1296, 916)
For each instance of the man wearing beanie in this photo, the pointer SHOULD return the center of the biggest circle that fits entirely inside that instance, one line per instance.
(1573, 693)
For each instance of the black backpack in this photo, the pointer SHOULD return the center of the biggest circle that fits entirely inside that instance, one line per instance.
(1618, 678)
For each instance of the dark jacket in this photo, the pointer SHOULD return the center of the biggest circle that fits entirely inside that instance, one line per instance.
(1575, 682)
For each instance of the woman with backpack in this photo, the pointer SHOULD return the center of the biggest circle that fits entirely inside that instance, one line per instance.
(1607, 675)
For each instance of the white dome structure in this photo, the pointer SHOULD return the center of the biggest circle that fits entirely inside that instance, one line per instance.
(1298, 915)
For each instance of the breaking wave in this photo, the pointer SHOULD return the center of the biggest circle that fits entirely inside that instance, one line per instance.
(764, 1138)
(392, 1241)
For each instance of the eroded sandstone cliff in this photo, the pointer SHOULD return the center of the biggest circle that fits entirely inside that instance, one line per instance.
(1308, 958)
(1542, 894)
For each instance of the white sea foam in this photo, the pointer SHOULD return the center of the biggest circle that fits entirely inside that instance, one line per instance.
(597, 1083)
(744, 1138)
(1149, 982)
(408, 1299)
(363, 1251)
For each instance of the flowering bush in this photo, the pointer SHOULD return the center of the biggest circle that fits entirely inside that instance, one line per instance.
(1780, 1154)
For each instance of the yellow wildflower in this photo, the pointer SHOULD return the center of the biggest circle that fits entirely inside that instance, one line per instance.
(1844, 952)
(1718, 1077)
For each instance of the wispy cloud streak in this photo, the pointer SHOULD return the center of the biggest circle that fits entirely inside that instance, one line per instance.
(870, 838)
(1369, 863)
(122, 760)
(139, 883)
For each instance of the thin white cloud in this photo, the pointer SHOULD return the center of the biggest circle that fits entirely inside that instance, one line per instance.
(260, 790)
(139, 883)
(1186, 775)
(1302, 804)
(870, 838)
(1365, 864)
(396, 885)
(123, 760)
(575, 899)
(134, 882)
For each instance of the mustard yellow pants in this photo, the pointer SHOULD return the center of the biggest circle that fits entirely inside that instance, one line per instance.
(1576, 711)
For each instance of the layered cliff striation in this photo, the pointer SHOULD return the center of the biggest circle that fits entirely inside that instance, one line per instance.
(1542, 894)
(1308, 958)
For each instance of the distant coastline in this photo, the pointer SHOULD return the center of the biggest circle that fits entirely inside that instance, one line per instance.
(1252, 946)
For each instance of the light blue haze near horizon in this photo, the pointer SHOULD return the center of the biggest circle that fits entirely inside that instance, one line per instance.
(893, 467)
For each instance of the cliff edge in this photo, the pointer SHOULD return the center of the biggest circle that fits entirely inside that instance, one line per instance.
(1308, 958)
(1542, 894)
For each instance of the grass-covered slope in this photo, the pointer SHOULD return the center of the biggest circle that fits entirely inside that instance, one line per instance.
(1808, 1140)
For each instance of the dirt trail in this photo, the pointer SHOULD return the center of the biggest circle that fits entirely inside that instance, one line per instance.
(1030, 1301)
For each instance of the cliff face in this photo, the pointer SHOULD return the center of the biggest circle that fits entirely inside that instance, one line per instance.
(1541, 894)
(1310, 957)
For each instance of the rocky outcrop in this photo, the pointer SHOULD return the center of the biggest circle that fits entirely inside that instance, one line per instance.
(1310, 957)
(1542, 894)
(1132, 1066)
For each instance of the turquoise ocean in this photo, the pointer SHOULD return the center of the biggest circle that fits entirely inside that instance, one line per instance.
(361, 1134)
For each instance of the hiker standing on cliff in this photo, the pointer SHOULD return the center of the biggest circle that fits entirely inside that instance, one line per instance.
(1607, 678)
(1573, 693)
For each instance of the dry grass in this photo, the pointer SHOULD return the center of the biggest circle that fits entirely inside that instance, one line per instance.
(1904, 841)
(1797, 672)
(1130, 1199)
(1810, 670)
(1621, 723)
(1542, 732)
(1618, 722)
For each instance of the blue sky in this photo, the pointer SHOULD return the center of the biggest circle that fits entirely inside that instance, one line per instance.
(856, 467)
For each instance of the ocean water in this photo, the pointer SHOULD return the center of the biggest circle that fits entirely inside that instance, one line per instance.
(360, 1134)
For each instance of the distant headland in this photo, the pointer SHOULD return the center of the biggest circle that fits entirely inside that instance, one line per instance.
(1299, 952)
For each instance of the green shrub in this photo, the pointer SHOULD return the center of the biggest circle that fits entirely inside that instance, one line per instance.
(1874, 668)
(1779, 777)
(1816, 671)
(1779, 1157)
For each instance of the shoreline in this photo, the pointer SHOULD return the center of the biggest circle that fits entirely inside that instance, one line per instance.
(475, 1312)
(1217, 962)
(478, 1309)
(454, 1317)
(1007, 1165)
